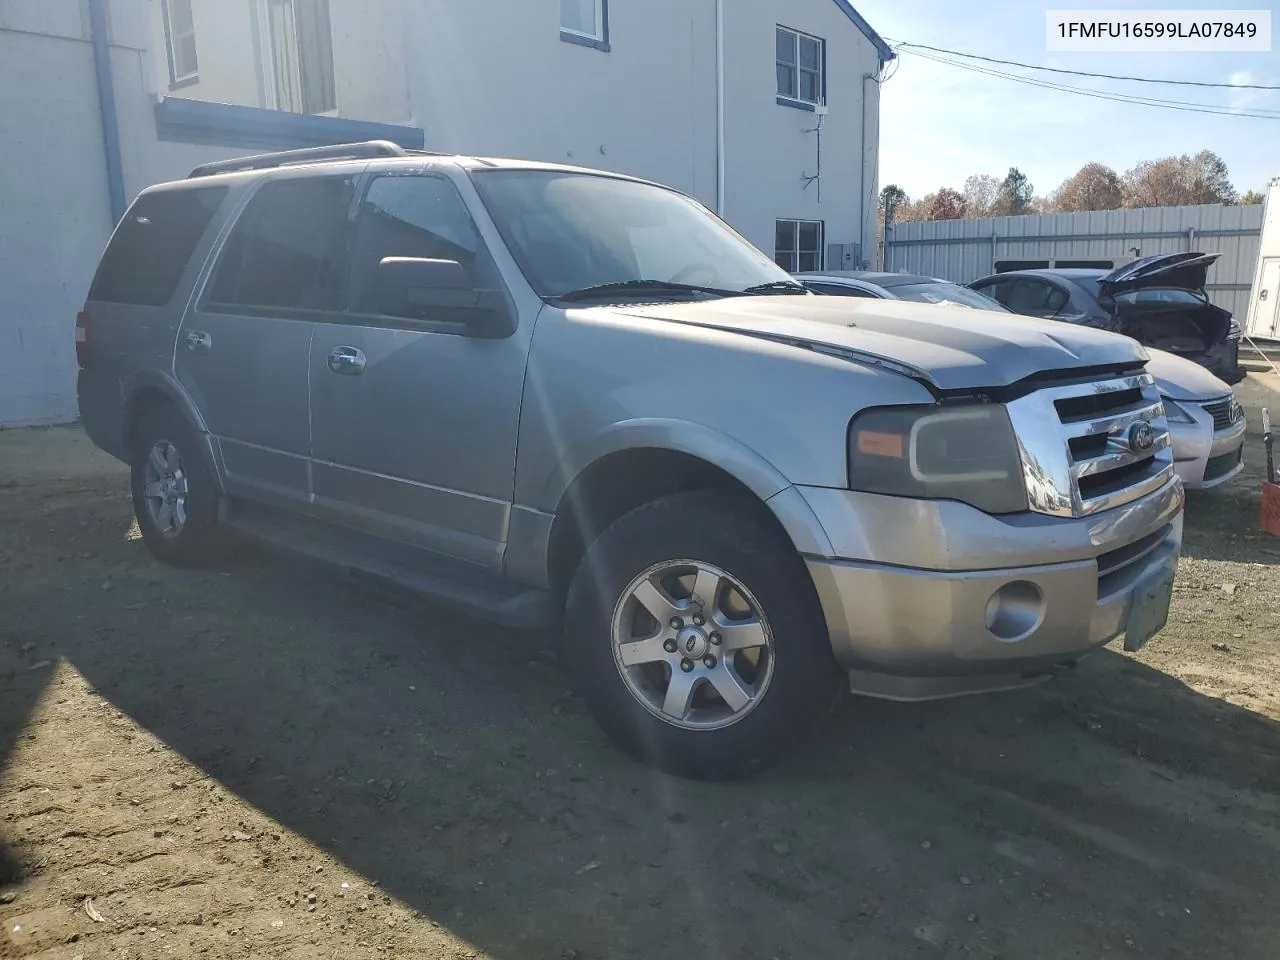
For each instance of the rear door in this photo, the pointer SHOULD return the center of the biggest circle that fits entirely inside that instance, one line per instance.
(414, 421)
(243, 352)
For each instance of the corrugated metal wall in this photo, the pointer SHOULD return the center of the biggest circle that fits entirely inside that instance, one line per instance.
(964, 250)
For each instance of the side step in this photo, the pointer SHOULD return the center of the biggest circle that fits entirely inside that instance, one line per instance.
(448, 582)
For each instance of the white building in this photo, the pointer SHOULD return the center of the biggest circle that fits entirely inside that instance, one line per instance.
(627, 85)
(766, 110)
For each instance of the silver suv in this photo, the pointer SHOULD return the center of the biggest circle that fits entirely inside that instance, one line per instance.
(550, 395)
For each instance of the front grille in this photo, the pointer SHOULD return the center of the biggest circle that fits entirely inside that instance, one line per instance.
(1115, 560)
(1075, 409)
(1224, 412)
(1082, 449)
(1223, 464)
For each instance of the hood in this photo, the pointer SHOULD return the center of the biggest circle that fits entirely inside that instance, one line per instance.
(1185, 271)
(1181, 379)
(953, 348)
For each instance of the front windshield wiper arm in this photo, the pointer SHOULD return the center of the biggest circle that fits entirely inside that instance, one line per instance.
(778, 286)
(628, 286)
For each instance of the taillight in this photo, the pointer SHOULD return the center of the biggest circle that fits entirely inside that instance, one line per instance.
(82, 339)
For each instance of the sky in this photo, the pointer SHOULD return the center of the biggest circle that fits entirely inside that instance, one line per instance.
(939, 124)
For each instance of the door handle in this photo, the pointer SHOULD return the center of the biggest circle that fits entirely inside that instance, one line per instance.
(198, 341)
(348, 361)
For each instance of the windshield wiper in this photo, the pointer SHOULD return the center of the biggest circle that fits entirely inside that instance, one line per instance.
(778, 286)
(628, 286)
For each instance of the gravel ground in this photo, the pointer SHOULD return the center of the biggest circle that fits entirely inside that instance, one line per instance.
(271, 761)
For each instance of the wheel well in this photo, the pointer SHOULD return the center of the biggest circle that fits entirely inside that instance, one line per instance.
(141, 402)
(617, 484)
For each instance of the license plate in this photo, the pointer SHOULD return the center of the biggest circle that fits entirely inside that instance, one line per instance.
(1149, 610)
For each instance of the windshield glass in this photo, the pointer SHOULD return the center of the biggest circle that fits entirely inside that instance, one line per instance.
(572, 231)
(1157, 295)
(942, 292)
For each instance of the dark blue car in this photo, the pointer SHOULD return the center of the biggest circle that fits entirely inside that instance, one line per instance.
(1159, 300)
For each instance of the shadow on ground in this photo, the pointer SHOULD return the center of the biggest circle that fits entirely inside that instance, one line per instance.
(442, 759)
(1115, 809)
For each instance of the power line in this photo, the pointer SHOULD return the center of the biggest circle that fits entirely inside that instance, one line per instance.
(1183, 106)
(1084, 73)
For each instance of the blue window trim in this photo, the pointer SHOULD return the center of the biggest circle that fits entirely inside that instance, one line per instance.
(603, 44)
(223, 124)
(797, 104)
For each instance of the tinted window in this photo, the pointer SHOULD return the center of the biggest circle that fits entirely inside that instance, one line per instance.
(409, 217)
(1035, 298)
(288, 250)
(1158, 295)
(151, 247)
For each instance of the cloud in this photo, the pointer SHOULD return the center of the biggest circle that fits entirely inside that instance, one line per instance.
(1243, 99)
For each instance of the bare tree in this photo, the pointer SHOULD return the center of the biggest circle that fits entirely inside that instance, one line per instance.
(1094, 186)
(1174, 181)
(981, 191)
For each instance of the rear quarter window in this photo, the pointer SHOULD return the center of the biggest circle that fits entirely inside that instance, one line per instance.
(150, 248)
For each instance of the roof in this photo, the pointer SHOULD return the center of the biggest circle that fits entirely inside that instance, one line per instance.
(886, 52)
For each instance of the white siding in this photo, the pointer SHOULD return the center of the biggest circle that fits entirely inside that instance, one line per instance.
(768, 148)
(494, 79)
(55, 215)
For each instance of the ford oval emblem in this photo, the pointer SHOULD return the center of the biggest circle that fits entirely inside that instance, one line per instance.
(1142, 439)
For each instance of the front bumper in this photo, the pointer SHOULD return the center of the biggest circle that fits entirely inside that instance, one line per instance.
(1202, 457)
(947, 599)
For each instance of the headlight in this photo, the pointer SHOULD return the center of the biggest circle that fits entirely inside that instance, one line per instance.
(966, 453)
(1174, 413)
(1233, 330)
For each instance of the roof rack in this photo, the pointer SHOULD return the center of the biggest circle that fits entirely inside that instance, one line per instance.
(266, 161)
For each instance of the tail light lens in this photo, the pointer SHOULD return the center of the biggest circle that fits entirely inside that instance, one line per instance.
(82, 339)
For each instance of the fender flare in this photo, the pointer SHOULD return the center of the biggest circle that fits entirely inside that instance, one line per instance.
(168, 385)
(729, 454)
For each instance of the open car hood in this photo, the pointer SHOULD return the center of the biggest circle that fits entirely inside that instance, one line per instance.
(1184, 271)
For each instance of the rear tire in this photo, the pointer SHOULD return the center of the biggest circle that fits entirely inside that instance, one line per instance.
(739, 666)
(175, 498)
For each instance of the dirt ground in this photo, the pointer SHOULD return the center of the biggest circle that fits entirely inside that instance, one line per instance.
(271, 761)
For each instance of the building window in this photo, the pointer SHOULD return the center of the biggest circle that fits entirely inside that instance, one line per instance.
(585, 22)
(800, 63)
(798, 245)
(180, 35)
(301, 55)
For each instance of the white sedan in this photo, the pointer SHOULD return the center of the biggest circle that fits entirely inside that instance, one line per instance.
(1206, 421)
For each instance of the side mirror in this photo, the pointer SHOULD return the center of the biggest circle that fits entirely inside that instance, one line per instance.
(442, 291)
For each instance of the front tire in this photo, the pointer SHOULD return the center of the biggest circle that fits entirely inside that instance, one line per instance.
(695, 637)
(174, 495)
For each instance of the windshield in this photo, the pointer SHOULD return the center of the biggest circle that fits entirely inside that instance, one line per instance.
(1158, 295)
(942, 292)
(573, 231)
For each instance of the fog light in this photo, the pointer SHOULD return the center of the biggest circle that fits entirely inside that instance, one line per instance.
(1015, 611)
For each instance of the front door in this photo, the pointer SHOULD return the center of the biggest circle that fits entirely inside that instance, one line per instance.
(243, 352)
(414, 421)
